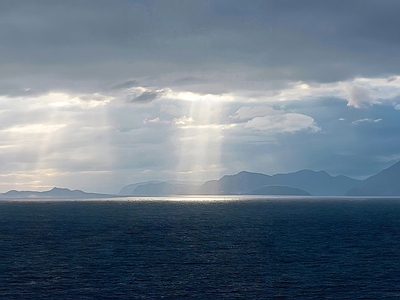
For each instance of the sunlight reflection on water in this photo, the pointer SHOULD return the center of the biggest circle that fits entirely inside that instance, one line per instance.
(203, 198)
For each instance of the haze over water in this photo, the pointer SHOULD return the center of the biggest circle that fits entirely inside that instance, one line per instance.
(241, 249)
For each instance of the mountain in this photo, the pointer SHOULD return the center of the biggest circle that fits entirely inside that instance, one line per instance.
(279, 190)
(317, 183)
(160, 188)
(128, 190)
(385, 183)
(163, 189)
(244, 183)
(60, 193)
(241, 183)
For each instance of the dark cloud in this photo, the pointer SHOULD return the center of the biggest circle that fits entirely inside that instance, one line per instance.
(13, 91)
(307, 40)
(145, 97)
(125, 85)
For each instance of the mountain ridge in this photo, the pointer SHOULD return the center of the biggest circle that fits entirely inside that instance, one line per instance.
(302, 182)
(55, 192)
(316, 183)
(384, 183)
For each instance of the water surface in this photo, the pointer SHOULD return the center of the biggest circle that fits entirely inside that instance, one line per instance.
(180, 248)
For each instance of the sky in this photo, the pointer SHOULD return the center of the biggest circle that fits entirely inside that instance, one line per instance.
(95, 95)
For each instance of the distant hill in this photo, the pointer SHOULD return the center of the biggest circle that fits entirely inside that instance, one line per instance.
(317, 183)
(385, 183)
(160, 188)
(128, 190)
(244, 183)
(241, 183)
(163, 189)
(279, 190)
(303, 182)
(60, 193)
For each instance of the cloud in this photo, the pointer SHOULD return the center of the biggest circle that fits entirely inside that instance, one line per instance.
(183, 120)
(359, 97)
(266, 119)
(125, 85)
(144, 97)
(366, 120)
(251, 79)
(94, 97)
(283, 123)
(192, 97)
(150, 40)
(171, 46)
(155, 120)
(15, 91)
(246, 112)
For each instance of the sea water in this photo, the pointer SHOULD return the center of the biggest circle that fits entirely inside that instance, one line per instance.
(200, 248)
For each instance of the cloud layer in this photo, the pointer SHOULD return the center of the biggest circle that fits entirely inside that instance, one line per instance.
(99, 94)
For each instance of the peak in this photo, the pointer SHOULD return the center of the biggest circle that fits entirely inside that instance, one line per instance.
(243, 172)
(249, 173)
(323, 172)
(59, 189)
(308, 172)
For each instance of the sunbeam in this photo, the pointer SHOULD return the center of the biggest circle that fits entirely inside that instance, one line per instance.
(200, 140)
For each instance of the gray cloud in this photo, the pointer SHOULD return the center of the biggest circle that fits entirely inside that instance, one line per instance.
(15, 91)
(145, 97)
(151, 38)
(273, 65)
(124, 85)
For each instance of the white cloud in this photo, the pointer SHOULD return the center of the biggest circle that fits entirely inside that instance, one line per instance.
(34, 129)
(155, 120)
(183, 120)
(373, 91)
(359, 92)
(247, 112)
(191, 96)
(290, 122)
(359, 97)
(366, 120)
(64, 100)
(267, 119)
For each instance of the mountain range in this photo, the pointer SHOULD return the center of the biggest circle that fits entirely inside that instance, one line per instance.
(385, 183)
(315, 183)
(303, 182)
(55, 193)
(300, 183)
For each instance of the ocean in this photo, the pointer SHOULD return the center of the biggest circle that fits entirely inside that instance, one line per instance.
(200, 248)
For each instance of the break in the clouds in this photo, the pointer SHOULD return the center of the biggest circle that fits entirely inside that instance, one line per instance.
(98, 94)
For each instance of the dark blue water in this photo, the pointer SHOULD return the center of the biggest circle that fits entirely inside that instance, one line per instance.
(265, 249)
